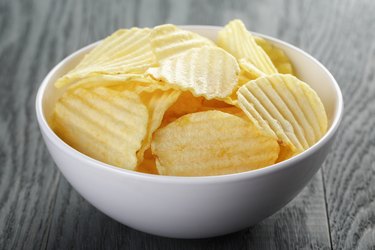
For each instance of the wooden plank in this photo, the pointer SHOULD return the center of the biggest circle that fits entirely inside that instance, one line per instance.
(349, 171)
(27, 180)
(300, 225)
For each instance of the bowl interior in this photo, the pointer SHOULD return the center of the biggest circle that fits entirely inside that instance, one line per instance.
(307, 68)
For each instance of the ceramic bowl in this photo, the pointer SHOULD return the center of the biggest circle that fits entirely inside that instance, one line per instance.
(192, 207)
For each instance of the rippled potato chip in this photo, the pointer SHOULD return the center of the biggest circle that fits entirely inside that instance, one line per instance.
(125, 51)
(249, 71)
(210, 72)
(106, 125)
(171, 102)
(167, 41)
(277, 56)
(212, 143)
(238, 41)
(157, 102)
(111, 81)
(285, 107)
(122, 82)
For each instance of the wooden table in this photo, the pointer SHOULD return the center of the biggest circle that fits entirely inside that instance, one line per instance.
(40, 210)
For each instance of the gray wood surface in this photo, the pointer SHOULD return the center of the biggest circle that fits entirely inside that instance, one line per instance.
(38, 208)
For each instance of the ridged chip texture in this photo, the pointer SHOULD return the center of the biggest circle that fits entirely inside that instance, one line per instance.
(210, 72)
(286, 107)
(125, 51)
(238, 41)
(110, 81)
(212, 143)
(123, 82)
(106, 125)
(157, 102)
(277, 56)
(167, 41)
(249, 71)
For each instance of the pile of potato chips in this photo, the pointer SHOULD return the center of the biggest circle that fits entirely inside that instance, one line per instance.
(169, 101)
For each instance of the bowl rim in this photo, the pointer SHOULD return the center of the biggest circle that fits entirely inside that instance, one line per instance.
(61, 145)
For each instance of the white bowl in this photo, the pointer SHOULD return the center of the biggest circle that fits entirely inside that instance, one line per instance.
(192, 207)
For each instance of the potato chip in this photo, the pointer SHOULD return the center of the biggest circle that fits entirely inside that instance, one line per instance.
(186, 103)
(125, 51)
(169, 101)
(277, 56)
(212, 143)
(129, 82)
(214, 103)
(157, 102)
(109, 81)
(210, 72)
(167, 40)
(168, 119)
(249, 70)
(286, 107)
(148, 165)
(242, 79)
(238, 41)
(103, 124)
(230, 110)
(221, 106)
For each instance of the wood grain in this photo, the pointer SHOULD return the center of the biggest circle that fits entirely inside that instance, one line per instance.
(39, 209)
(349, 171)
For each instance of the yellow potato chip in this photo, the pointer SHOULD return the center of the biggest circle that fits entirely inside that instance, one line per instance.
(286, 107)
(130, 82)
(242, 79)
(238, 41)
(125, 51)
(215, 103)
(185, 104)
(230, 110)
(103, 124)
(277, 56)
(167, 40)
(109, 81)
(210, 72)
(168, 118)
(249, 71)
(212, 143)
(148, 165)
(157, 102)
